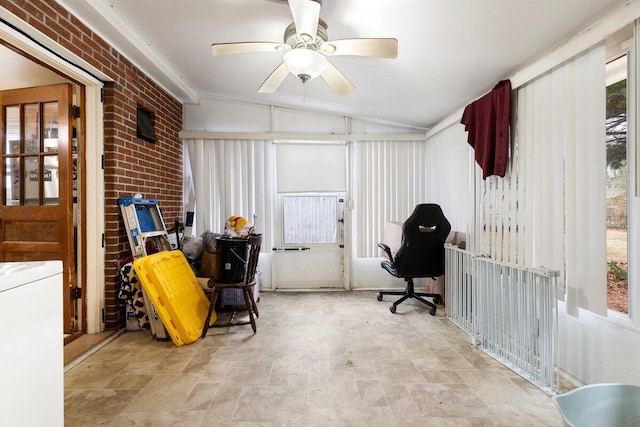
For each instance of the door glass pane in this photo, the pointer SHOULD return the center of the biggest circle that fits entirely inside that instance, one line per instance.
(32, 128)
(12, 136)
(12, 181)
(310, 219)
(51, 181)
(31, 183)
(50, 112)
(11, 165)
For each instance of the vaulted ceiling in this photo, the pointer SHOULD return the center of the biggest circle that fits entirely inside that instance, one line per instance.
(449, 51)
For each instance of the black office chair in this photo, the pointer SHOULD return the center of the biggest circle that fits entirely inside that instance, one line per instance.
(421, 253)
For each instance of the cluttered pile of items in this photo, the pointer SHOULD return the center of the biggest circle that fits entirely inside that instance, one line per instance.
(175, 286)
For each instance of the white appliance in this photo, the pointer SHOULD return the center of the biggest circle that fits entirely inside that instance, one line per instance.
(31, 344)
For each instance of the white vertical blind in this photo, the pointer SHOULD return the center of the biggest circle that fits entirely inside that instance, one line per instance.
(188, 190)
(549, 209)
(585, 165)
(233, 177)
(390, 179)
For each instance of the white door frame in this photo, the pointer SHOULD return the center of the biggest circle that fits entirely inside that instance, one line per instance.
(36, 44)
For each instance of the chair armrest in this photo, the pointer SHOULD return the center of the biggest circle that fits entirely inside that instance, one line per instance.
(387, 252)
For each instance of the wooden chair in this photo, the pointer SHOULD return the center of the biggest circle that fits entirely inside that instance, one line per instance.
(251, 264)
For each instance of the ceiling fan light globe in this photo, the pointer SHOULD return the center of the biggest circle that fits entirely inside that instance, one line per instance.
(305, 62)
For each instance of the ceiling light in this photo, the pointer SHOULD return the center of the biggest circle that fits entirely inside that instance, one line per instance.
(306, 64)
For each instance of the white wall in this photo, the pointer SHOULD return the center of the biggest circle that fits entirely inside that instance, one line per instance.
(216, 115)
(595, 349)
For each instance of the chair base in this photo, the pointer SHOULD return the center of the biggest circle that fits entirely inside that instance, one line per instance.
(409, 292)
(250, 306)
(232, 319)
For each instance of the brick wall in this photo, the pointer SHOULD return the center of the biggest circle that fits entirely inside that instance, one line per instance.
(131, 164)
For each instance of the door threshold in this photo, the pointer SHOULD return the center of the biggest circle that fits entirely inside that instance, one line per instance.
(69, 338)
(85, 345)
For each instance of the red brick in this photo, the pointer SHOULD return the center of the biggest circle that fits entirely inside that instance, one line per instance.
(130, 164)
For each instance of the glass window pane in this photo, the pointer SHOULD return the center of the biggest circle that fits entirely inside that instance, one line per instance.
(51, 180)
(12, 181)
(310, 219)
(12, 136)
(31, 182)
(32, 128)
(50, 113)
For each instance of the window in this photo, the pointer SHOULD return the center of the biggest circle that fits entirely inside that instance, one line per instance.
(310, 219)
(30, 154)
(617, 181)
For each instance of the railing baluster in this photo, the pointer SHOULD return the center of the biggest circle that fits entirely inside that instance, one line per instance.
(509, 311)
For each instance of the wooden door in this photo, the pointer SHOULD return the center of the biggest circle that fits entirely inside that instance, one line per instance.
(36, 214)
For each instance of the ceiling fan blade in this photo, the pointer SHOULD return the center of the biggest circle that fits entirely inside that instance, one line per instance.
(275, 79)
(379, 48)
(336, 80)
(247, 47)
(306, 14)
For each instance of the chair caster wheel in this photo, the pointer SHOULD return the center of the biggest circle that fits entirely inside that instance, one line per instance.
(437, 300)
(379, 297)
(392, 309)
(432, 311)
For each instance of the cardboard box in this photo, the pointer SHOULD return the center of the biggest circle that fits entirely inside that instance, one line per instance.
(207, 265)
(392, 236)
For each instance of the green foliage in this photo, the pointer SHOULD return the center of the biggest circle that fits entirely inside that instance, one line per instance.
(350, 362)
(619, 273)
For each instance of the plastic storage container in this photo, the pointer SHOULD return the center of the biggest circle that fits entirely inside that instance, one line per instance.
(176, 294)
(600, 405)
(231, 255)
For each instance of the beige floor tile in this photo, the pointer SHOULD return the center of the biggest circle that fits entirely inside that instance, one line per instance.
(272, 404)
(372, 393)
(348, 417)
(223, 406)
(447, 400)
(164, 393)
(525, 414)
(493, 386)
(129, 382)
(318, 359)
(93, 407)
(183, 418)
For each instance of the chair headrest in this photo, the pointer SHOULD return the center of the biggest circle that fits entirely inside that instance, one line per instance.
(427, 218)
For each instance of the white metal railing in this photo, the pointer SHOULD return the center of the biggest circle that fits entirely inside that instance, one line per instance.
(510, 312)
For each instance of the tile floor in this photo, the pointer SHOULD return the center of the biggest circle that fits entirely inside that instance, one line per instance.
(318, 359)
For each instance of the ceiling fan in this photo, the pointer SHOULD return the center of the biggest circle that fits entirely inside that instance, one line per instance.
(306, 48)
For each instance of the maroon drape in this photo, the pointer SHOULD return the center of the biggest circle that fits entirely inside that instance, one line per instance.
(487, 122)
